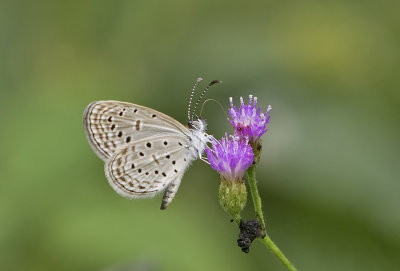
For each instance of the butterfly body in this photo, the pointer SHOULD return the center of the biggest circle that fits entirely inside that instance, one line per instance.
(145, 151)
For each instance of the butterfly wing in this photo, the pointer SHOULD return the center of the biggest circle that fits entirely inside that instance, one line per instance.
(148, 166)
(110, 125)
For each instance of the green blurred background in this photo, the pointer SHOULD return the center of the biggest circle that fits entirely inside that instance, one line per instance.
(329, 174)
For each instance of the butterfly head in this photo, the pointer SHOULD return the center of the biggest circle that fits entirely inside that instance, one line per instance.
(199, 136)
(197, 124)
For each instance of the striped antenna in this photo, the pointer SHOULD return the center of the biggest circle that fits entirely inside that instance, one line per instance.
(191, 95)
(202, 95)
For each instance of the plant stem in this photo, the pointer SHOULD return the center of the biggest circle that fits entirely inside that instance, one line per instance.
(278, 253)
(251, 177)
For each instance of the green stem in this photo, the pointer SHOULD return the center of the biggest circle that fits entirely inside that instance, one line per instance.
(278, 253)
(251, 177)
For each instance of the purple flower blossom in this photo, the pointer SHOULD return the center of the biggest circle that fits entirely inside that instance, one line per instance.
(231, 157)
(247, 120)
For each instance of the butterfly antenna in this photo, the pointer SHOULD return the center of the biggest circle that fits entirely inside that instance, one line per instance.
(191, 95)
(203, 93)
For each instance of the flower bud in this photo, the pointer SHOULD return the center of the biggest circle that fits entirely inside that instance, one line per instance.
(232, 197)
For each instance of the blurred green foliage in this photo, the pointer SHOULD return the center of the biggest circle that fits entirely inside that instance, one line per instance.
(329, 173)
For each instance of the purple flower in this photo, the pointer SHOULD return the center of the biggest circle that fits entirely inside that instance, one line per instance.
(231, 157)
(247, 120)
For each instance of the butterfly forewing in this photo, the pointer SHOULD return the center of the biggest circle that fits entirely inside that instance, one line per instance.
(147, 166)
(111, 125)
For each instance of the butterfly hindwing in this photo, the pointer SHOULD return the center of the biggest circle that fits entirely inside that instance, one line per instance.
(147, 166)
(110, 125)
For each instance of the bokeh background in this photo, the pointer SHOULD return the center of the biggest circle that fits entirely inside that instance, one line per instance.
(329, 174)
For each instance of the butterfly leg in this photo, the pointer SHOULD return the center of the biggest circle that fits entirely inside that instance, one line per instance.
(170, 192)
(204, 159)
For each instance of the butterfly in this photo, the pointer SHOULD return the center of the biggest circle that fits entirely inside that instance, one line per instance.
(145, 151)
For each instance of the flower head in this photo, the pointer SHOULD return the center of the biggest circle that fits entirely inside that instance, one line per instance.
(247, 120)
(231, 157)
